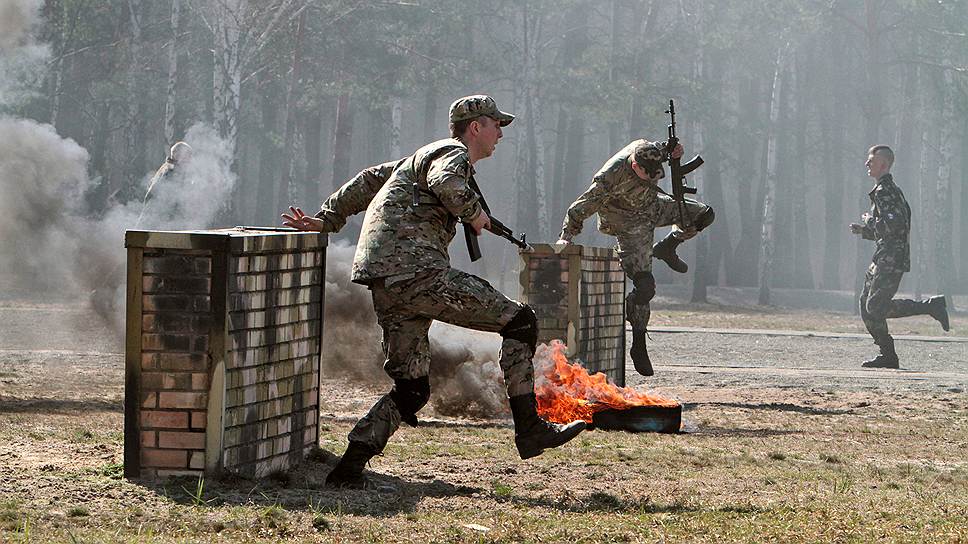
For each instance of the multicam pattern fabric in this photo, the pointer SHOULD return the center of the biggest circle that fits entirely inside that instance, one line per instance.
(406, 309)
(355, 195)
(399, 238)
(889, 224)
(472, 107)
(629, 209)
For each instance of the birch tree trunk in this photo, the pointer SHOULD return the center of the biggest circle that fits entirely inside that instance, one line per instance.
(396, 126)
(767, 233)
(942, 207)
(135, 133)
(699, 275)
(532, 210)
(171, 94)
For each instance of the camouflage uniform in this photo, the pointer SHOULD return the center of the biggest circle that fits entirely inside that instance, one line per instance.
(402, 257)
(629, 209)
(889, 224)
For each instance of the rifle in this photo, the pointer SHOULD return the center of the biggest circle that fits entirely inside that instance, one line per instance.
(680, 171)
(497, 227)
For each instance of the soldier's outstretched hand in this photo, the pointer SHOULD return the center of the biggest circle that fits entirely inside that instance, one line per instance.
(300, 221)
(856, 228)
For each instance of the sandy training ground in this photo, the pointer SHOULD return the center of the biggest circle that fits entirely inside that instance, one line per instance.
(788, 440)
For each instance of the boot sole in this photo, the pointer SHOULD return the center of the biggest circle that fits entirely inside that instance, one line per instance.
(566, 437)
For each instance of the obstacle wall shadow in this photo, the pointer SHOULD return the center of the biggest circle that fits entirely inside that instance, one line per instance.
(39, 405)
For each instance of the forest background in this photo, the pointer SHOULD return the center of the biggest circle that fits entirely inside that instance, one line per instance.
(781, 98)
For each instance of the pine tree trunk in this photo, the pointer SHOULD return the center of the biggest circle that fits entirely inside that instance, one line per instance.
(802, 269)
(700, 273)
(285, 193)
(227, 75)
(342, 140)
(313, 138)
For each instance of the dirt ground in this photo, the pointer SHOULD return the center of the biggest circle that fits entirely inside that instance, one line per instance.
(788, 439)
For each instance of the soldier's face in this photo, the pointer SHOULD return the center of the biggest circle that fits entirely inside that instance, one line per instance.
(488, 134)
(652, 177)
(876, 165)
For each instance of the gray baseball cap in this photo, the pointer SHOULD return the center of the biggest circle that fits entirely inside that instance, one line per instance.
(471, 107)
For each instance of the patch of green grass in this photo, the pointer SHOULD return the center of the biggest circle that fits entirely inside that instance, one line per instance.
(78, 512)
(777, 455)
(10, 516)
(831, 458)
(114, 471)
(81, 436)
(501, 489)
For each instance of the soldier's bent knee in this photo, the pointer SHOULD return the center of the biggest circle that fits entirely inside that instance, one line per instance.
(410, 395)
(643, 287)
(705, 218)
(523, 327)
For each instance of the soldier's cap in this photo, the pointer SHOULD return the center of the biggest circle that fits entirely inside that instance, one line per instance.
(474, 106)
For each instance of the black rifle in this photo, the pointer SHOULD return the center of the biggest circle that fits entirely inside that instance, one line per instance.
(497, 227)
(680, 171)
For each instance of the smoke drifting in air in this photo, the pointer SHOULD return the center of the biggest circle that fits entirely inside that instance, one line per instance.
(466, 379)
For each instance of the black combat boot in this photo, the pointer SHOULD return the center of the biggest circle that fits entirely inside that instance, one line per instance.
(666, 251)
(348, 472)
(938, 309)
(887, 358)
(639, 354)
(533, 435)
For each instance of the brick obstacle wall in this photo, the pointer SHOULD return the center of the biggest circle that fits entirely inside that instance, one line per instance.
(578, 293)
(222, 351)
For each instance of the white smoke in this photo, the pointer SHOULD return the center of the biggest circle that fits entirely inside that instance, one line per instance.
(21, 60)
(466, 375)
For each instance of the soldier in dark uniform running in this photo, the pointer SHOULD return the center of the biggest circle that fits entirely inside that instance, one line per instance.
(888, 223)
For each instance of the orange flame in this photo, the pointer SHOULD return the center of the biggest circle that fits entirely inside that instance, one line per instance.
(567, 393)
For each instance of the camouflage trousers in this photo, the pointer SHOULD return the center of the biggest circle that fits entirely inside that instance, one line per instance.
(635, 252)
(406, 309)
(877, 303)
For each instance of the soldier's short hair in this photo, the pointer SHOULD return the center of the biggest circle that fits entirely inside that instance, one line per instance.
(458, 128)
(883, 151)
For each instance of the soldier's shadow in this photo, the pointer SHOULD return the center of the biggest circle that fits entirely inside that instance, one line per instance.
(304, 489)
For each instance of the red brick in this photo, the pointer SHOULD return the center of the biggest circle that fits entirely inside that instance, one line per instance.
(151, 457)
(183, 441)
(177, 380)
(200, 344)
(196, 460)
(149, 400)
(182, 400)
(199, 420)
(164, 420)
(200, 382)
(148, 439)
(174, 361)
(178, 303)
(165, 342)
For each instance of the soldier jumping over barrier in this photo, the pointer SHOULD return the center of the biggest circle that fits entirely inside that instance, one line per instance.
(625, 195)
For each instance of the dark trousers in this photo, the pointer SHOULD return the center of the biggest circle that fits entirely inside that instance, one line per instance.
(877, 305)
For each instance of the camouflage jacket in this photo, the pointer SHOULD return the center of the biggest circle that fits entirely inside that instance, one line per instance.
(889, 225)
(399, 239)
(625, 204)
(355, 195)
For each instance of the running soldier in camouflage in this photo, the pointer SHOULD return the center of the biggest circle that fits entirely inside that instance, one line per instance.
(412, 208)
(627, 199)
(888, 223)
